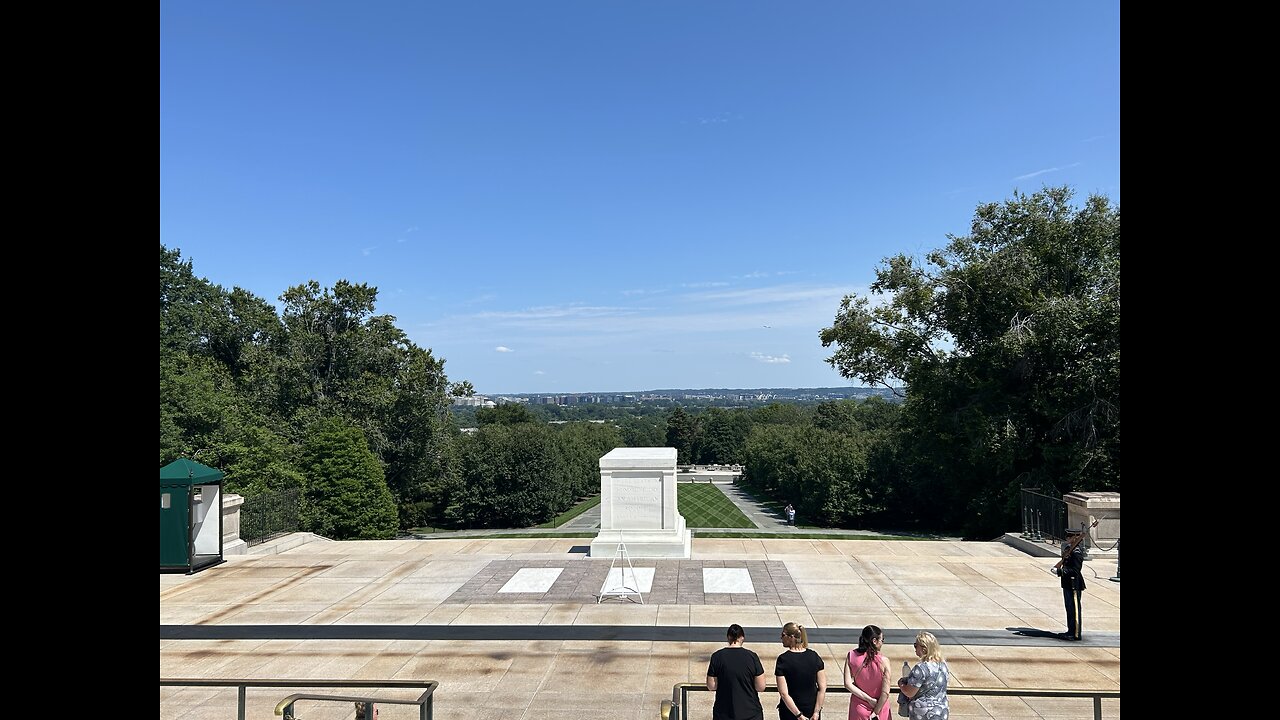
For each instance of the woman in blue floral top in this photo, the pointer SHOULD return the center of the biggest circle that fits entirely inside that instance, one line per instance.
(926, 685)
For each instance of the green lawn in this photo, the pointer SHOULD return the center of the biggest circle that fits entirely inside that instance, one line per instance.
(572, 512)
(704, 506)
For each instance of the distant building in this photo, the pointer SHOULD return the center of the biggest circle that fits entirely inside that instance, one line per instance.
(474, 401)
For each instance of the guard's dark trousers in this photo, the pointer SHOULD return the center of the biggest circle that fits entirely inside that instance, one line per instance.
(1074, 618)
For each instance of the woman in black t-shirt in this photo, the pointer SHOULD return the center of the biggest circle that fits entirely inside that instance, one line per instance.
(802, 677)
(737, 677)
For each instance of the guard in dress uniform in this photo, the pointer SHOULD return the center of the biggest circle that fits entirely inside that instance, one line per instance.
(1072, 582)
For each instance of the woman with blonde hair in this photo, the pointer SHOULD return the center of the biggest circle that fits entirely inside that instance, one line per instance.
(926, 684)
(866, 677)
(801, 676)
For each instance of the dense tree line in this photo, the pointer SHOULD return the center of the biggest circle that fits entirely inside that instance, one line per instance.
(1004, 347)
(831, 460)
(1007, 342)
(329, 397)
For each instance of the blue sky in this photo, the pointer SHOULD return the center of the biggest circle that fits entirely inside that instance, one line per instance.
(593, 196)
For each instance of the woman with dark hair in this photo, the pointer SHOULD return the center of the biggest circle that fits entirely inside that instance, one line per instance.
(737, 678)
(866, 677)
(801, 675)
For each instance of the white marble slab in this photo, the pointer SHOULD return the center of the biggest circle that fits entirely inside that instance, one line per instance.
(642, 580)
(532, 580)
(727, 580)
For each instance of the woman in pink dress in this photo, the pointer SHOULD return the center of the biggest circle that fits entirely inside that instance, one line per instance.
(866, 677)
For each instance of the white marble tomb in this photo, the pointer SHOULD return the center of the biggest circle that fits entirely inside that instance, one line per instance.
(638, 505)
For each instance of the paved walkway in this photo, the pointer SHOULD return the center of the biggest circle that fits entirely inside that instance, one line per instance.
(588, 520)
(391, 610)
(756, 512)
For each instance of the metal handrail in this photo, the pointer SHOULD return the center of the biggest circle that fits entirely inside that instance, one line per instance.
(1043, 517)
(670, 709)
(242, 685)
(424, 702)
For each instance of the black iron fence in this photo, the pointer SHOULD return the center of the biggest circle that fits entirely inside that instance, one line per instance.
(1044, 517)
(270, 514)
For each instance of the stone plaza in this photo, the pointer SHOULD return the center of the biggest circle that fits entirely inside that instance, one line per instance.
(511, 628)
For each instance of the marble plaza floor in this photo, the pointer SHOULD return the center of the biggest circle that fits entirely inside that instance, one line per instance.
(512, 629)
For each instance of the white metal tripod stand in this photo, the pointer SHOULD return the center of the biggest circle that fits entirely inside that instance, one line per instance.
(624, 589)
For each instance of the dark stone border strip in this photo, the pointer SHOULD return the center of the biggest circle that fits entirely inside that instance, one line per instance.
(1017, 637)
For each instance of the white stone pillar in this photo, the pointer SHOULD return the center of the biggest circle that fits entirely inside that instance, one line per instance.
(231, 542)
(1085, 507)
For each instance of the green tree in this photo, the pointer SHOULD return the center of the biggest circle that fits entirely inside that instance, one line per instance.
(506, 414)
(241, 385)
(581, 445)
(684, 434)
(513, 476)
(723, 436)
(462, 389)
(837, 416)
(197, 396)
(646, 431)
(777, 413)
(822, 473)
(1006, 345)
(345, 495)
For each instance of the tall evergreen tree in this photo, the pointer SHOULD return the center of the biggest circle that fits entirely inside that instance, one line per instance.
(346, 496)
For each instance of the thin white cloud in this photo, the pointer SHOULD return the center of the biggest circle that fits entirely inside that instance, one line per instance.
(412, 229)
(557, 311)
(503, 348)
(720, 118)
(368, 251)
(771, 359)
(787, 308)
(1046, 170)
(771, 294)
(538, 372)
(704, 284)
(752, 276)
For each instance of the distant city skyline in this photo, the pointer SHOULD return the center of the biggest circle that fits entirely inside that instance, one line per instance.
(843, 391)
(584, 196)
